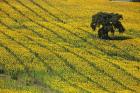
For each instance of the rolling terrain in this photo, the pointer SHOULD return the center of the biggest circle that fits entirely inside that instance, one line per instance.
(48, 46)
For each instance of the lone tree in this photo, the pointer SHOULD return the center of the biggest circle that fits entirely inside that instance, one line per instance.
(107, 22)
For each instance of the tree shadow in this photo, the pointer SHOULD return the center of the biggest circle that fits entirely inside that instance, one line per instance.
(120, 38)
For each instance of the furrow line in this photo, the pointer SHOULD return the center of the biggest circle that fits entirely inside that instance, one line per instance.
(67, 63)
(79, 37)
(70, 65)
(37, 56)
(82, 38)
(47, 11)
(22, 63)
(97, 84)
(57, 18)
(68, 16)
(129, 58)
(35, 21)
(92, 45)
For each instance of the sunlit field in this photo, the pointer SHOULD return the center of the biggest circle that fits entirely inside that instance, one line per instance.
(48, 46)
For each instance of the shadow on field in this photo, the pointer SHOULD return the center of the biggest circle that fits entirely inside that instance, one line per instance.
(120, 38)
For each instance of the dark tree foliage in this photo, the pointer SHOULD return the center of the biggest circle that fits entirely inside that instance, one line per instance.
(107, 22)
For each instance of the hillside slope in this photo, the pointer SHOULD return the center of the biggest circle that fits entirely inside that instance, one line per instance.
(47, 46)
